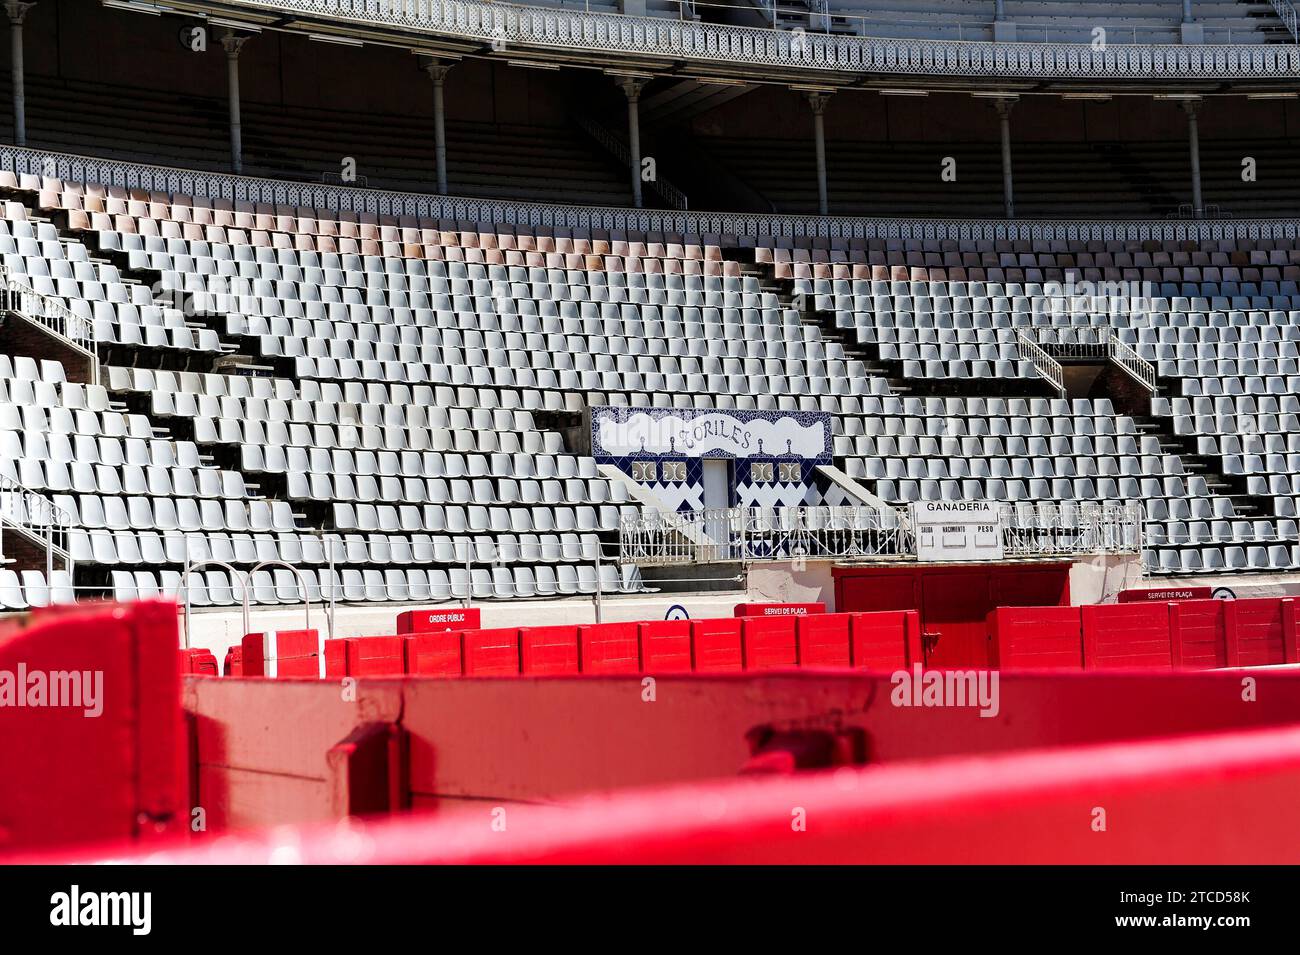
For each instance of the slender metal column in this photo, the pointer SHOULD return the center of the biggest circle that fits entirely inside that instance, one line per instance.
(631, 87)
(1004, 107)
(233, 44)
(438, 73)
(818, 100)
(1194, 147)
(17, 11)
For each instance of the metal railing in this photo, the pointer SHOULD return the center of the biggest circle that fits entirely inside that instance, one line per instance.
(1046, 366)
(89, 170)
(611, 34)
(613, 144)
(818, 16)
(744, 534)
(38, 519)
(51, 314)
(1097, 342)
(1286, 12)
(1141, 370)
(1047, 530)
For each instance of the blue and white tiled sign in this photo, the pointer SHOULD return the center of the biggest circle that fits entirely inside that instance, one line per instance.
(774, 454)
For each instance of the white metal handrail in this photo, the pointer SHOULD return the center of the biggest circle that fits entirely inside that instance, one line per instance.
(760, 46)
(89, 170)
(1068, 341)
(1046, 366)
(1286, 12)
(861, 533)
(50, 313)
(39, 519)
(1122, 354)
(1045, 530)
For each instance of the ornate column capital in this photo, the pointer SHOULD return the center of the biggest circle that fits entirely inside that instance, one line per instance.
(17, 9)
(1004, 105)
(818, 99)
(437, 68)
(631, 85)
(233, 43)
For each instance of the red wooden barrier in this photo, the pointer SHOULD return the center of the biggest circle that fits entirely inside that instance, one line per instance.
(1036, 637)
(491, 652)
(376, 656)
(666, 646)
(778, 610)
(514, 739)
(1118, 636)
(199, 662)
(885, 640)
(716, 645)
(769, 642)
(92, 735)
(823, 640)
(548, 650)
(434, 654)
(446, 618)
(1290, 631)
(281, 653)
(608, 648)
(336, 658)
(1259, 632)
(1212, 799)
(1196, 634)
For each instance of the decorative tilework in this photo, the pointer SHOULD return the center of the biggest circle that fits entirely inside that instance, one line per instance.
(689, 495)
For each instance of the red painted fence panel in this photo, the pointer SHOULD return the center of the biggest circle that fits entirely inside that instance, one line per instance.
(434, 654)
(198, 662)
(769, 642)
(491, 652)
(1196, 634)
(886, 639)
(823, 640)
(1234, 792)
(666, 646)
(92, 734)
(716, 645)
(1118, 636)
(376, 656)
(1257, 632)
(1036, 638)
(609, 648)
(548, 651)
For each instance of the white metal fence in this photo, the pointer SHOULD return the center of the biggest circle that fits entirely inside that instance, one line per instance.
(1048, 530)
(38, 519)
(50, 313)
(1068, 341)
(863, 533)
(1046, 366)
(617, 37)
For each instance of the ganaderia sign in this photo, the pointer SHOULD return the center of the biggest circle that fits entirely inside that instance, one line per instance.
(618, 432)
(957, 530)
